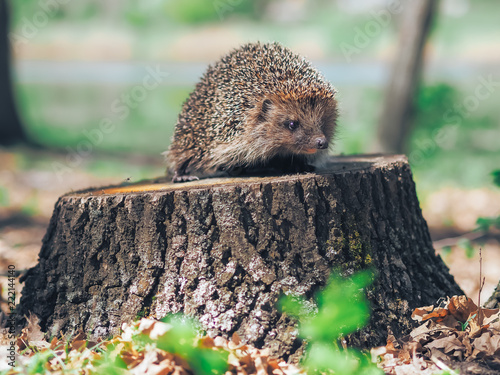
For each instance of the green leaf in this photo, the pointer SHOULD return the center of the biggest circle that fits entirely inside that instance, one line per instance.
(294, 306)
(208, 361)
(483, 223)
(446, 250)
(323, 358)
(464, 325)
(180, 340)
(466, 244)
(108, 364)
(496, 177)
(36, 364)
(343, 308)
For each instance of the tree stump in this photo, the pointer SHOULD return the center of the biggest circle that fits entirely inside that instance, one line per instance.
(225, 249)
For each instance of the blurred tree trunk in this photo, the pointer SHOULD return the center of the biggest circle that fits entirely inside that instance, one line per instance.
(397, 114)
(11, 130)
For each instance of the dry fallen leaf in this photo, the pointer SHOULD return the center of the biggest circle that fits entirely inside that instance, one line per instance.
(31, 334)
(448, 344)
(461, 307)
(420, 312)
(459, 331)
(79, 354)
(488, 344)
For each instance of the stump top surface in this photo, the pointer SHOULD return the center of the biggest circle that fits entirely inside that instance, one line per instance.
(334, 165)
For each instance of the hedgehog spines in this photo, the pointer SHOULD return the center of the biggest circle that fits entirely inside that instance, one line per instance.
(234, 118)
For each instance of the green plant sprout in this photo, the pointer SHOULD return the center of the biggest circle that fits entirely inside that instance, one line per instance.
(465, 325)
(342, 308)
(109, 363)
(180, 340)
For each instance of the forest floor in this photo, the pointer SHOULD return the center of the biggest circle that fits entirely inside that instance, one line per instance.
(30, 186)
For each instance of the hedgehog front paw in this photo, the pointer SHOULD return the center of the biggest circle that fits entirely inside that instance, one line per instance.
(183, 177)
(306, 168)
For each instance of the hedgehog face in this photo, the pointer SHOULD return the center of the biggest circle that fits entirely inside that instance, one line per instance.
(304, 126)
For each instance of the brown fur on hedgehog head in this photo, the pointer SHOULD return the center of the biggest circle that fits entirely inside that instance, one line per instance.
(293, 123)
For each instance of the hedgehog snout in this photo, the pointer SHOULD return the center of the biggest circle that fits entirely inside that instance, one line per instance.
(321, 143)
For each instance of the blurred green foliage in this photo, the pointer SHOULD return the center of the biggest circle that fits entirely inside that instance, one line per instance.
(443, 121)
(342, 308)
(134, 13)
(467, 245)
(37, 363)
(451, 144)
(446, 152)
(484, 224)
(490, 223)
(25, 12)
(180, 340)
(199, 11)
(109, 363)
(4, 196)
(62, 116)
(496, 177)
(31, 206)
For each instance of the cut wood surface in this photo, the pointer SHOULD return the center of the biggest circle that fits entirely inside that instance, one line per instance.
(224, 250)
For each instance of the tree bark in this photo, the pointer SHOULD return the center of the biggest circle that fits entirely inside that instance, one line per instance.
(494, 301)
(225, 249)
(396, 119)
(11, 130)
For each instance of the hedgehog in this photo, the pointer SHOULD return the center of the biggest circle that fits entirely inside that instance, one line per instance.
(259, 107)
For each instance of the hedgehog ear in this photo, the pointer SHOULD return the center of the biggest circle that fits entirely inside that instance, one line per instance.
(266, 106)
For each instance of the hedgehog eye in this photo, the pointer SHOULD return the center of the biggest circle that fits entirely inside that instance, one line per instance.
(291, 124)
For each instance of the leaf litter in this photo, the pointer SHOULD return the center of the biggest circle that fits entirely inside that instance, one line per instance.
(455, 331)
(126, 356)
